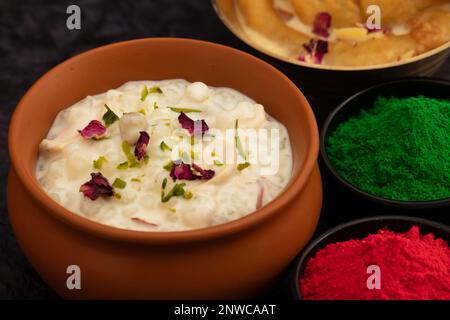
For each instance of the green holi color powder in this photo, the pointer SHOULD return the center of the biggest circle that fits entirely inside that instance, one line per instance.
(398, 150)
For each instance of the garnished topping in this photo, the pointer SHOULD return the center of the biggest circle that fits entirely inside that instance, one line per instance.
(240, 148)
(351, 34)
(155, 90)
(183, 171)
(100, 162)
(140, 220)
(94, 130)
(177, 191)
(144, 93)
(140, 150)
(119, 184)
(218, 163)
(205, 174)
(194, 127)
(243, 166)
(185, 110)
(321, 24)
(123, 166)
(155, 106)
(164, 147)
(168, 166)
(315, 51)
(118, 195)
(126, 148)
(109, 117)
(142, 111)
(96, 187)
(136, 180)
(188, 195)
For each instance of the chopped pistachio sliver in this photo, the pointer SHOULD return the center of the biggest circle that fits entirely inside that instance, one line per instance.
(188, 195)
(142, 111)
(237, 141)
(127, 150)
(185, 110)
(213, 154)
(144, 93)
(243, 166)
(177, 191)
(118, 195)
(168, 166)
(164, 183)
(164, 147)
(123, 166)
(155, 106)
(100, 162)
(155, 90)
(218, 163)
(109, 117)
(119, 184)
(146, 159)
(136, 180)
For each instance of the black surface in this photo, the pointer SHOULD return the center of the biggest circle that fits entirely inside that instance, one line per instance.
(34, 38)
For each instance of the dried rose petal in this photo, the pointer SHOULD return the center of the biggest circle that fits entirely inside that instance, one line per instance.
(96, 187)
(183, 171)
(321, 24)
(140, 150)
(192, 126)
(205, 174)
(94, 130)
(316, 50)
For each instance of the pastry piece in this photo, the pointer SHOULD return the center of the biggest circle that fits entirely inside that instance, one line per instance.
(261, 16)
(344, 13)
(430, 29)
(371, 52)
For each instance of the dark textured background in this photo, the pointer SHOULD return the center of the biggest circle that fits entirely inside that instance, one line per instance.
(34, 38)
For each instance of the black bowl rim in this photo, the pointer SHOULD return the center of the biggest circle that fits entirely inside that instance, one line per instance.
(304, 256)
(384, 201)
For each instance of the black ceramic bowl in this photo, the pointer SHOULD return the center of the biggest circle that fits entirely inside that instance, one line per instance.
(359, 229)
(434, 88)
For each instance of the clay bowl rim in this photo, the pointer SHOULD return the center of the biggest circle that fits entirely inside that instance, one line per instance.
(416, 205)
(391, 65)
(312, 247)
(295, 186)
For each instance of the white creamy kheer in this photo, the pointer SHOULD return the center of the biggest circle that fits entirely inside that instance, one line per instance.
(164, 156)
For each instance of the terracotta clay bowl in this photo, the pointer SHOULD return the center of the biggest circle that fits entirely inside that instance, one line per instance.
(338, 82)
(234, 260)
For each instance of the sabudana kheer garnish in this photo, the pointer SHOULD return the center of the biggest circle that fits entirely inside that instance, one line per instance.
(164, 156)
